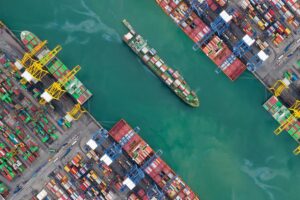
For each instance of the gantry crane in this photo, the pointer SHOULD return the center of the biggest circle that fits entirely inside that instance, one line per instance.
(56, 90)
(35, 72)
(278, 87)
(50, 55)
(295, 108)
(28, 59)
(75, 113)
(218, 26)
(291, 119)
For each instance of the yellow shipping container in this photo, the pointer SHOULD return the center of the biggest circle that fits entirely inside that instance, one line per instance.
(67, 169)
(94, 175)
(261, 25)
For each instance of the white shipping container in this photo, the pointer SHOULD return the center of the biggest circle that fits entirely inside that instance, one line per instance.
(244, 5)
(256, 19)
(176, 83)
(168, 82)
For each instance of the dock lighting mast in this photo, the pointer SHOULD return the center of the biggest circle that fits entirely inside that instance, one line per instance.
(56, 90)
(279, 86)
(76, 112)
(256, 61)
(295, 108)
(35, 71)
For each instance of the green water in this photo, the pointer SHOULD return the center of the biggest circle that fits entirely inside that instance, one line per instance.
(225, 149)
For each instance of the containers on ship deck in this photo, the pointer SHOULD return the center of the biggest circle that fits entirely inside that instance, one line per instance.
(138, 149)
(119, 130)
(168, 5)
(30, 41)
(281, 113)
(213, 6)
(75, 88)
(219, 53)
(157, 169)
(196, 29)
(235, 69)
(193, 26)
(166, 178)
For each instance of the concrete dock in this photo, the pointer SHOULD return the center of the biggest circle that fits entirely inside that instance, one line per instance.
(70, 141)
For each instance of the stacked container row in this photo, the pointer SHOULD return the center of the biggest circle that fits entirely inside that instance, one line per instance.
(281, 113)
(158, 170)
(283, 10)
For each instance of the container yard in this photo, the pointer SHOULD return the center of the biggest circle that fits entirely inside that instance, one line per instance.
(52, 148)
(115, 164)
(260, 36)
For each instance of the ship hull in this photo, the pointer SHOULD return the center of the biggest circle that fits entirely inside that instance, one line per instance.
(165, 73)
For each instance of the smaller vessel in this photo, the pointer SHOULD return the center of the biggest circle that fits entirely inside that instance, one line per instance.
(172, 78)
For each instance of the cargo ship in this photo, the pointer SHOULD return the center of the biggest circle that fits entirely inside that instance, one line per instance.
(197, 30)
(284, 117)
(170, 77)
(144, 156)
(58, 69)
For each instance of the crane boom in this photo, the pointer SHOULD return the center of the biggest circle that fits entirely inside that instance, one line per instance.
(69, 75)
(278, 88)
(50, 55)
(28, 59)
(291, 119)
(295, 108)
(35, 71)
(56, 90)
(75, 113)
